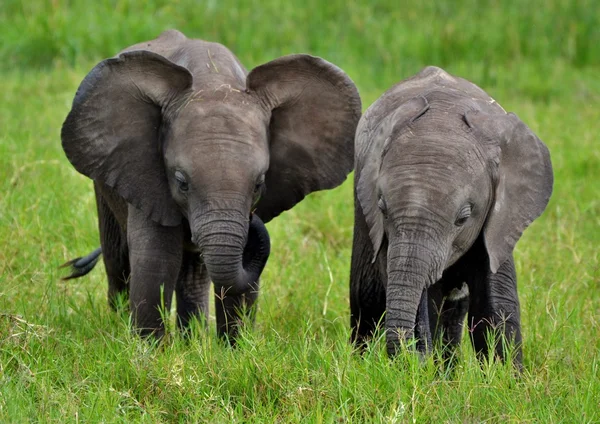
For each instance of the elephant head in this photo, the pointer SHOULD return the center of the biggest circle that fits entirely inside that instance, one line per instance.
(439, 164)
(181, 131)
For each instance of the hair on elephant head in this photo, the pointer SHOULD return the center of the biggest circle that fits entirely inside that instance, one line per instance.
(446, 182)
(190, 154)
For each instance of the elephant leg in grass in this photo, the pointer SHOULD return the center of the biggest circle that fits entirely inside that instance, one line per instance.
(192, 290)
(494, 310)
(232, 310)
(367, 306)
(114, 250)
(367, 290)
(155, 255)
(422, 330)
(448, 306)
(490, 299)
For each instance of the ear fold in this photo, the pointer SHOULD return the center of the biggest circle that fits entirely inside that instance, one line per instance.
(371, 145)
(314, 109)
(111, 133)
(524, 180)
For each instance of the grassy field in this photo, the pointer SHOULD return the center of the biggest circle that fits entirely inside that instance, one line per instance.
(64, 357)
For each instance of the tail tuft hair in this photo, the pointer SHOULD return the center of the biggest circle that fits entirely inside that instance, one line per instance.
(82, 265)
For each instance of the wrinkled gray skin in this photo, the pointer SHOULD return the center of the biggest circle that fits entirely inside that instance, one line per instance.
(181, 143)
(445, 183)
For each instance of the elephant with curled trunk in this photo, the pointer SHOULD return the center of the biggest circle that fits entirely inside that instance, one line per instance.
(190, 154)
(445, 183)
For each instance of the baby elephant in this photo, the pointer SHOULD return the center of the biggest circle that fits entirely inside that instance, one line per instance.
(190, 154)
(446, 182)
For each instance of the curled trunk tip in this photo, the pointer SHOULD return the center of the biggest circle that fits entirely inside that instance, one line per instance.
(235, 253)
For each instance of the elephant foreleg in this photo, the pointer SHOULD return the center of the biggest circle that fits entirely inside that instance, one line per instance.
(367, 310)
(448, 306)
(367, 290)
(155, 254)
(422, 326)
(232, 311)
(192, 290)
(494, 311)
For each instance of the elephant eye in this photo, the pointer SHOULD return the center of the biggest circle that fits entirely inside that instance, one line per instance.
(382, 206)
(463, 216)
(182, 183)
(259, 189)
(259, 185)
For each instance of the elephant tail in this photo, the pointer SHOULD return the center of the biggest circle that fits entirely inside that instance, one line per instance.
(82, 265)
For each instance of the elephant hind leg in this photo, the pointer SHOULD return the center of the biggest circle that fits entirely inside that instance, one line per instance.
(115, 252)
(192, 290)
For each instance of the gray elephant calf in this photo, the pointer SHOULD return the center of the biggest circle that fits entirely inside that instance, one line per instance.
(189, 155)
(445, 183)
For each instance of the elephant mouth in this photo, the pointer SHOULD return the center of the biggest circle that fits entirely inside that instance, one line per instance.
(191, 247)
(258, 246)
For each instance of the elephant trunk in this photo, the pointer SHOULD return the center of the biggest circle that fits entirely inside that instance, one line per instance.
(412, 266)
(234, 249)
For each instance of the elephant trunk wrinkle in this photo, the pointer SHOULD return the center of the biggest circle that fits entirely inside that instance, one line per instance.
(413, 266)
(412, 229)
(234, 250)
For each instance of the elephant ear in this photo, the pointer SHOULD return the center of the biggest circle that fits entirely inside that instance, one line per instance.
(524, 180)
(373, 139)
(314, 108)
(112, 131)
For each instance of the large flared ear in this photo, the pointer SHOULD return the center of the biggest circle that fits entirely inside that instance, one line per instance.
(314, 108)
(371, 145)
(524, 180)
(112, 131)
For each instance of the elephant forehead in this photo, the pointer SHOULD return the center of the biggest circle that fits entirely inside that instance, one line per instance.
(206, 120)
(422, 168)
(209, 136)
(212, 150)
(425, 150)
(426, 187)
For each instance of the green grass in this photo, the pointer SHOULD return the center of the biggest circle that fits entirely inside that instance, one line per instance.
(64, 357)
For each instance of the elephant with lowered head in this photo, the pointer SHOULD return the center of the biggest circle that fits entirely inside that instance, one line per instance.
(445, 183)
(190, 154)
